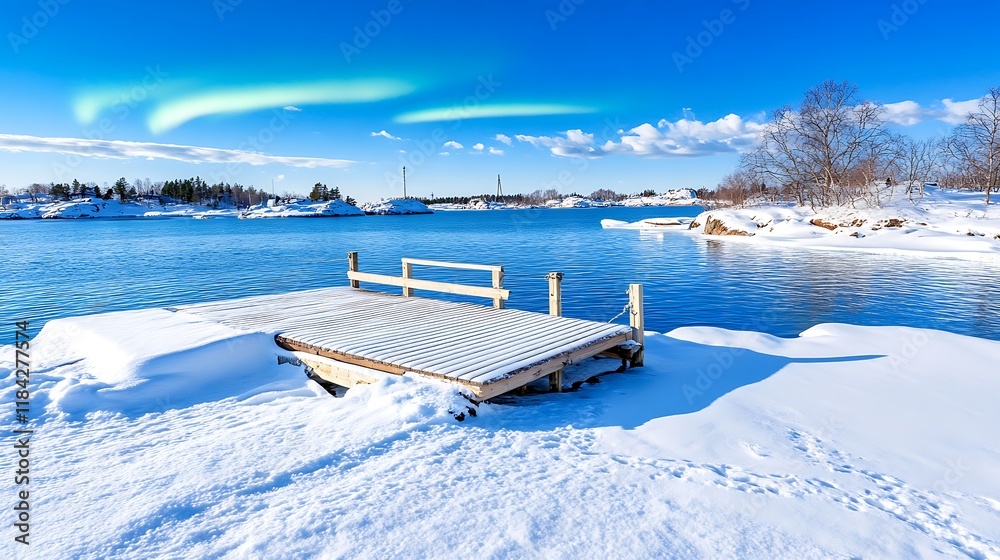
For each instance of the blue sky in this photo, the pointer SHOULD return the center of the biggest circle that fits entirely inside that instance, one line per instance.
(572, 94)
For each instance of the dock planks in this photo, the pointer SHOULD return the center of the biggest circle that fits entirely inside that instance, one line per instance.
(488, 350)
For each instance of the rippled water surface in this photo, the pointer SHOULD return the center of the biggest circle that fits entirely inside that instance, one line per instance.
(58, 268)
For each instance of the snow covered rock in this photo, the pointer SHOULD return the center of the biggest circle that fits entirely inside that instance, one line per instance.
(328, 209)
(395, 206)
(723, 223)
(95, 208)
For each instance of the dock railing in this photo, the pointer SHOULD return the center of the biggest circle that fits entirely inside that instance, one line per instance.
(409, 283)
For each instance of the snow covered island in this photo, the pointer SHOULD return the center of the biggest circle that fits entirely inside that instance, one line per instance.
(302, 209)
(843, 442)
(943, 222)
(87, 208)
(395, 206)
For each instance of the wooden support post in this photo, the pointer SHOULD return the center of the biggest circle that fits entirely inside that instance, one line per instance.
(555, 308)
(636, 321)
(352, 265)
(555, 381)
(407, 274)
(498, 284)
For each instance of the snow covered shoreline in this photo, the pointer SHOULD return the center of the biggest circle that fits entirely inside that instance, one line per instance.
(943, 224)
(845, 441)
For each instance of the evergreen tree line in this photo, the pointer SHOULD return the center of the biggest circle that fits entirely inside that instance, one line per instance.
(193, 190)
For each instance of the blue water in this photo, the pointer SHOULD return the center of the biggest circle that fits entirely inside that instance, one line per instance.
(56, 268)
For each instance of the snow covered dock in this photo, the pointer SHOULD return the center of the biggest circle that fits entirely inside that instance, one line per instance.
(349, 336)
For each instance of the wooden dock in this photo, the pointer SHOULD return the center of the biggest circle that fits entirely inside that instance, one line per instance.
(347, 335)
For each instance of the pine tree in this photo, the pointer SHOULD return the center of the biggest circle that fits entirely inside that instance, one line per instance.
(351, 201)
(315, 194)
(335, 194)
(121, 188)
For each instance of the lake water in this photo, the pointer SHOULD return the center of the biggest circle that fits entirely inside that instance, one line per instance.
(58, 268)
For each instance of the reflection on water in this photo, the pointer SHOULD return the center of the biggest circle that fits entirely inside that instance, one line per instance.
(61, 268)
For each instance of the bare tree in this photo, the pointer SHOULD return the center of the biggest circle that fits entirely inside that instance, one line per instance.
(917, 162)
(737, 187)
(974, 146)
(36, 189)
(828, 150)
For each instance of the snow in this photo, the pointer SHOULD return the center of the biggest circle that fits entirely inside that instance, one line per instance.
(128, 361)
(328, 209)
(674, 197)
(944, 223)
(164, 435)
(396, 206)
(87, 208)
(650, 223)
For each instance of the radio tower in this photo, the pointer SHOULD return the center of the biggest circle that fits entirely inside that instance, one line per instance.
(499, 189)
(404, 181)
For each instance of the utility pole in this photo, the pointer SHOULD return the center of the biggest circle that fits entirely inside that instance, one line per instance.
(404, 181)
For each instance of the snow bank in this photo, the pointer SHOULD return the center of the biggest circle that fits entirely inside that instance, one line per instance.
(329, 209)
(942, 224)
(136, 362)
(394, 206)
(847, 441)
(651, 223)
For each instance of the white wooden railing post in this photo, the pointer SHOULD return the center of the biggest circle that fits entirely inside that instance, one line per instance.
(555, 308)
(636, 321)
(498, 284)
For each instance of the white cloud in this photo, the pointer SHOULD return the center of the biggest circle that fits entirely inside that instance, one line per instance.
(280, 178)
(503, 138)
(909, 113)
(687, 138)
(906, 113)
(496, 151)
(484, 111)
(385, 134)
(453, 145)
(955, 112)
(575, 143)
(292, 108)
(444, 153)
(478, 146)
(120, 149)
